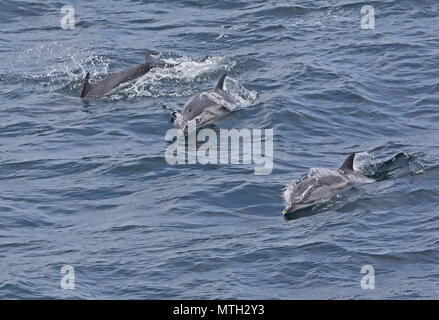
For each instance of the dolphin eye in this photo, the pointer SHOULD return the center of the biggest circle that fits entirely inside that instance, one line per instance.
(190, 110)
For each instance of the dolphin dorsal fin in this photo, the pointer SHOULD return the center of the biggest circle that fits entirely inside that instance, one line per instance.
(348, 164)
(220, 84)
(86, 86)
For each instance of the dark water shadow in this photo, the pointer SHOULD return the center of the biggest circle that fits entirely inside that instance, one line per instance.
(308, 212)
(302, 213)
(400, 165)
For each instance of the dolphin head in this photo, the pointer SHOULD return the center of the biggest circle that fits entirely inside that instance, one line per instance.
(206, 101)
(202, 103)
(194, 107)
(316, 188)
(296, 206)
(298, 195)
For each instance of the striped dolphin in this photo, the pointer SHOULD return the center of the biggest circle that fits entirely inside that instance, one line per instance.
(321, 185)
(207, 106)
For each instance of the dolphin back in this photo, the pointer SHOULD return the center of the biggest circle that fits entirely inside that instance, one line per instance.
(114, 80)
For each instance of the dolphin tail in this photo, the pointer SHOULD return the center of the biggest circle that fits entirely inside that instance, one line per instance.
(86, 86)
(348, 164)
(220, 84)
(149, 59)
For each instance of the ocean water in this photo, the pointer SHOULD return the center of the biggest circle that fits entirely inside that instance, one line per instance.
(89, 187)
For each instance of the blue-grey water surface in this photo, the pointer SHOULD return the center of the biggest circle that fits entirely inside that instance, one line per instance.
(89, 186)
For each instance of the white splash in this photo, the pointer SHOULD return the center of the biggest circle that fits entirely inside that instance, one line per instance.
(241, 94)
(287, 193)
(175, 81)
(58, 63)
(365, 163)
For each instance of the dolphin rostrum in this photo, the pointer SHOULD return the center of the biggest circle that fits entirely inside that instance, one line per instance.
(114, 80)
(321, 185)
(206, 106)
